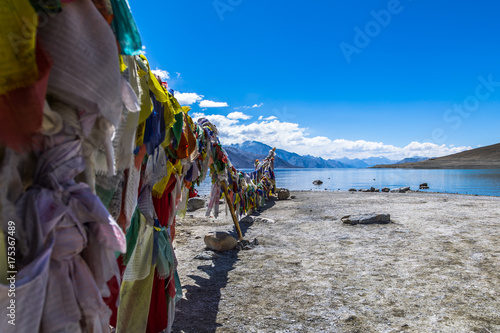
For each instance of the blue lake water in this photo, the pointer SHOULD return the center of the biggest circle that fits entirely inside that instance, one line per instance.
(481, 182)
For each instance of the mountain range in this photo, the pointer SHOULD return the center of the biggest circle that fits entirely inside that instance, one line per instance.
(244, 154)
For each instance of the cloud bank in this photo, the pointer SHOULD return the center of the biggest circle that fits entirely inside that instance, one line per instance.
(290, 136)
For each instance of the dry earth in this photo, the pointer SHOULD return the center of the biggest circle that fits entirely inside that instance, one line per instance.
(436, 268)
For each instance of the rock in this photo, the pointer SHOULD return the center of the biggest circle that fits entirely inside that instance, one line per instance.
(367, 219)
(372, 189)
(246, 245)
(317, 182)
(400, 190)
(206, 255)
(364, 190)
(386, 189)
(353, 190)
(377, 190)
(195, 203)
(259, 219)
(348, 317)
(247, 219)
(293, 197)
(220, 241)
(424, 186)
(283, 194)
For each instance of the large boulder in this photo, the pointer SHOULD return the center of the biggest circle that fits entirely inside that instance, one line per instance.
(367, 219)
(195, 203)
(424, 186)
(283, 194)
(386, 189)
(220, 241)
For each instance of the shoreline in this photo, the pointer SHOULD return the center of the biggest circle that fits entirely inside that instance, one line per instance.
(410, 191)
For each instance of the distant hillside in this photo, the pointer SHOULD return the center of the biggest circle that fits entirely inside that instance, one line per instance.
(357, 163)
(412, 160)
(378, 160)
(293, 159)
(366, 162)
(480, 158)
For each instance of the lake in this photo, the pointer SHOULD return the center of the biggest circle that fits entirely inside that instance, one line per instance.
(481, 182)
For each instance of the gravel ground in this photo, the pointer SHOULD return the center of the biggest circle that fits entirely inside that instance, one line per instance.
(435, 268)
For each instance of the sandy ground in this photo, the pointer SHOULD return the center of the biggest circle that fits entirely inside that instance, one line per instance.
(436, 268)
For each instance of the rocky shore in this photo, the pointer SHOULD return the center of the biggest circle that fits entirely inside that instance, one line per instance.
(434, 268)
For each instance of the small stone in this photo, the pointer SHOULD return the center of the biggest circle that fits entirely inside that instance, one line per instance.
(364, 190)
(263, 220)
(195, 203)
(293, 197)
(401, 190)
(317, 182)
(246, 245)
(353, 190)
(348, 317)
(367, 219)
(247, 219)
(220, 241)
(206, 255)
(386, 189)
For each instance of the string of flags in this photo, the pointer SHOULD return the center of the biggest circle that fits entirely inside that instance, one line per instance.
(97, 160)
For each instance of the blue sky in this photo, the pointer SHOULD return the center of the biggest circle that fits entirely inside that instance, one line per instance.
(334, 78)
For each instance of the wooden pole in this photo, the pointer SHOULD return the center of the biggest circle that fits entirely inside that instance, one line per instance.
(231, 208)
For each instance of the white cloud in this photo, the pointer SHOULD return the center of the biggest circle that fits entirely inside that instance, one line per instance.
(211, 104)
(271, 118)
(187, 98)
(290, 136)
(249, 107)
(217, 119)
(164, 75)
(178, 75)
(238, 115)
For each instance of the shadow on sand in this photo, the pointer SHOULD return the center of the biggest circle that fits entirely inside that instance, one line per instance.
(197, 311)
